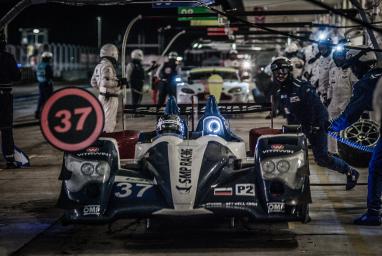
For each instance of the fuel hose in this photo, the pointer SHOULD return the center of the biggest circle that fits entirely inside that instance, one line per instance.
(350, 143)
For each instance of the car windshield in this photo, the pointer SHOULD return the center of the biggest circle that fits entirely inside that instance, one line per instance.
(205, 75)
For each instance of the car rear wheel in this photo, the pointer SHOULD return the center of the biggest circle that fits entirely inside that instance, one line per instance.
(304, 213)
(363, 132)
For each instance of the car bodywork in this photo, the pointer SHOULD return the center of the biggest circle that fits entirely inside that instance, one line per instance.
(206, 172)
(233, 91)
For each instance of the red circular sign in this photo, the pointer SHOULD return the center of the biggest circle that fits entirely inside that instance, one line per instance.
(72, 119)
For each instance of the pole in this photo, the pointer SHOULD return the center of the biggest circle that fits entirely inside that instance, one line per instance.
(172, 41)
(272, 106)
(99, 31)
(123, 62)
(6, 33)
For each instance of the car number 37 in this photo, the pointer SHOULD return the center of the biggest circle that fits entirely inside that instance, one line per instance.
(126, 189)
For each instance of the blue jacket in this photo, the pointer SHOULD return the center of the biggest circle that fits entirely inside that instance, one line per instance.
(302, 105)
(44, 72)
(360, 101)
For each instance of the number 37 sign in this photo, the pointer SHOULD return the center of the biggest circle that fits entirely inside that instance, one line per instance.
(72, 119)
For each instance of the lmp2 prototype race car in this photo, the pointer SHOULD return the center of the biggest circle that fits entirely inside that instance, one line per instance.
(180, 173)
(233, 90)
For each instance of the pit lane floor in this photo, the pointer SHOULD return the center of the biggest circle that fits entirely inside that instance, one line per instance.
(30, 223)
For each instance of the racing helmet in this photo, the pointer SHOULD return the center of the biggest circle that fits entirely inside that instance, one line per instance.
(173, 55)
(325, 46)
(360, 60)
(137, 54)
(47, 55)
(170, 124)
(291, 50)
(109, 50)
(339, 53)
(281, 68)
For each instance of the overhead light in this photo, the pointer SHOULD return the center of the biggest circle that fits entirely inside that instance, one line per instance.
(256, 48)
(322, 36)
(200, 46)
(339, 48)
(195, 45)
(246, 64)
(36, 31)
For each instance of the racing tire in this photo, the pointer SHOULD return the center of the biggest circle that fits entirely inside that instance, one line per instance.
(364, 132)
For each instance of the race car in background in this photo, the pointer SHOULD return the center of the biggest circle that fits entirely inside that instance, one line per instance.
(234, 90)
(179, 173)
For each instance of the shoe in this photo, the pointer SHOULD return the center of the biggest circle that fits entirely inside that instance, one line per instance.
(12, 165)
(370, 218)
(351, 178)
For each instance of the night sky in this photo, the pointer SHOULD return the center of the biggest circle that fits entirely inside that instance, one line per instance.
(78, 25)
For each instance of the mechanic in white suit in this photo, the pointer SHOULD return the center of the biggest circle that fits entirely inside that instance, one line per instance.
(311, 57)
(105, 80)
(341, 80)
(291, 52)
(321, 70)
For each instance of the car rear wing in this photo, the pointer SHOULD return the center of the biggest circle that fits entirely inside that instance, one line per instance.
(190, 109)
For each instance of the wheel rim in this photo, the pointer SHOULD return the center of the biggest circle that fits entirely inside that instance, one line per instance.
(364, 132)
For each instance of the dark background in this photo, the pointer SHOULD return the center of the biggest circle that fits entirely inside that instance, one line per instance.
(78, 24)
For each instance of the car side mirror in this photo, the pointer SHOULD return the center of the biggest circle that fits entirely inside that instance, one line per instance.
(189, 80)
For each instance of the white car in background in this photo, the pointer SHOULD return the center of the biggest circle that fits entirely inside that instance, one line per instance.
(233, 91)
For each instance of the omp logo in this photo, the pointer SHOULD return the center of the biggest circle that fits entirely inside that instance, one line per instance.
(276, 207)
(277, 146)
(92, 149)
(184, 178)
(91, 209)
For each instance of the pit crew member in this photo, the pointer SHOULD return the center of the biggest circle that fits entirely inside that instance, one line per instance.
(362, 63)
(303, 106)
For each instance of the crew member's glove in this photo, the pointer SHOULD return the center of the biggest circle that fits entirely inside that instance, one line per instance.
(338, 124)
(312, 60)
(325, 99)
(314, 129)
(307, 75)
(122, 82)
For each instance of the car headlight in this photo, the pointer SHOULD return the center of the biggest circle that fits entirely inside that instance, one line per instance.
(213, 126)
(283, 166)
(268, 166)
(235, 90)
(287, 168)
(87, 169)
(102, 168)
(187, 90)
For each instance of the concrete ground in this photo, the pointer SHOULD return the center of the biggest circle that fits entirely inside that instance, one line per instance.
(30, 222)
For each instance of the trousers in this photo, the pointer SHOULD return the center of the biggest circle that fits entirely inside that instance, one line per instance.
(319, 142)
(374, 189)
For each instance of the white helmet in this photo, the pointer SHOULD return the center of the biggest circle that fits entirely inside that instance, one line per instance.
(361, 55)
(137, 54)
(109, 50)
(292, 47)
(172, 55)
(46, 55)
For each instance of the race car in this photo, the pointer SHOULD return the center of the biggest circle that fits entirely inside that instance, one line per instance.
(233, 90)
(176, 172)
